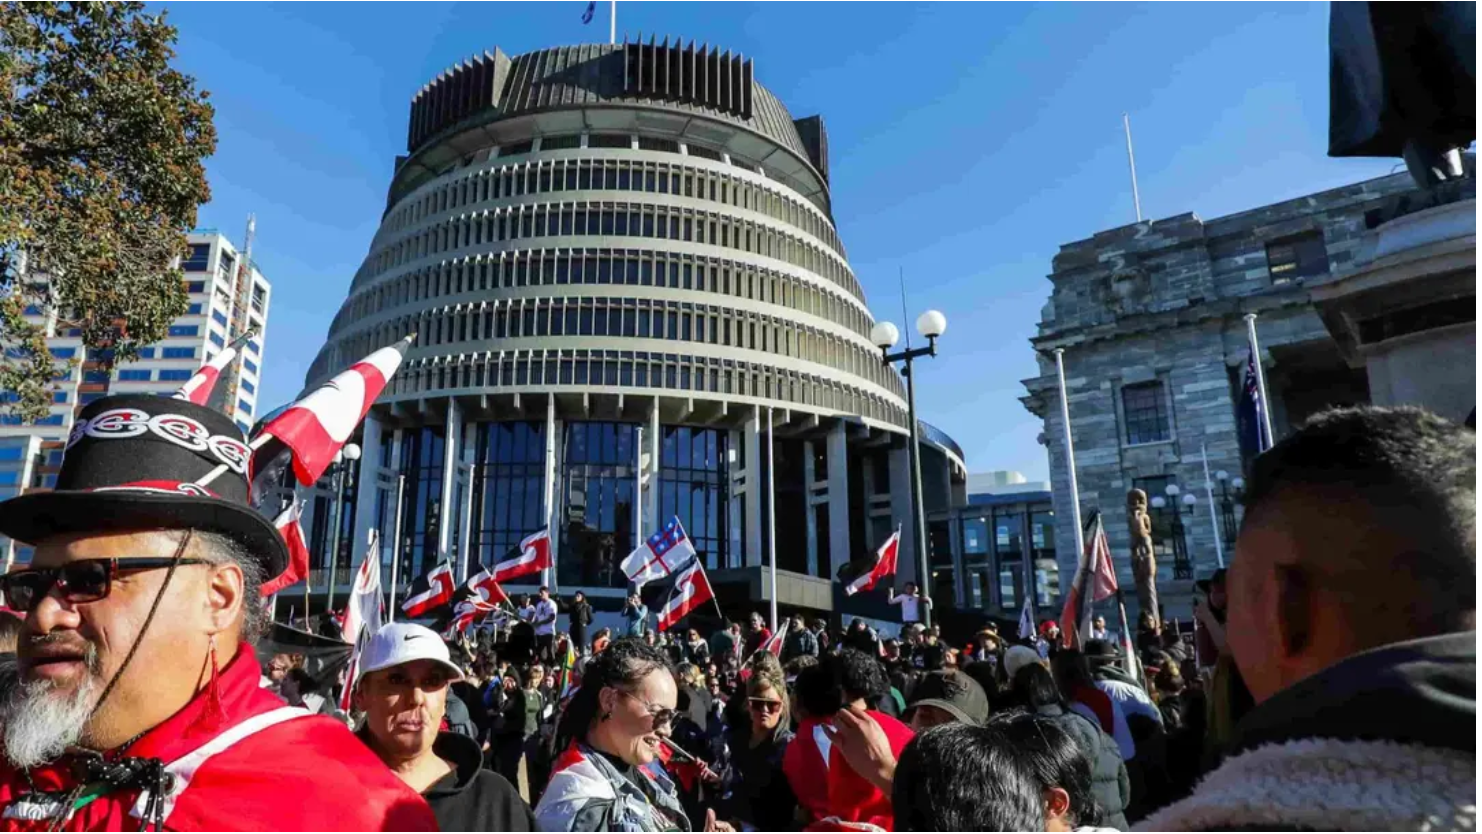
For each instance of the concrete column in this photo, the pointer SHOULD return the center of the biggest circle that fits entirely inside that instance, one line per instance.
(447, 513)
(653, 438)
(907, 562)
(365, 488)
(838, 498)
(811, 522)
(756, 484)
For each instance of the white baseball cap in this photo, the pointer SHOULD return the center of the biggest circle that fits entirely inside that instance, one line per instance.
(398, 643)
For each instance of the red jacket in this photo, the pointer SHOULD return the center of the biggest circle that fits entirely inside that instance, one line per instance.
(285, 771)
(833, 789)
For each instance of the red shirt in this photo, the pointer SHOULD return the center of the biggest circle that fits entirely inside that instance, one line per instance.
(300, 773)
(831, 788)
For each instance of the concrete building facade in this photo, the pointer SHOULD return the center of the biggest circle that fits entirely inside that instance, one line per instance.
(1151, 320)
(622, 267)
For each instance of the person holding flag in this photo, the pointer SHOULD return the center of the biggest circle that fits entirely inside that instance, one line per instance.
(1095, 580)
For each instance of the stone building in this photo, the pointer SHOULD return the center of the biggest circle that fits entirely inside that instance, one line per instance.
(1151, 318)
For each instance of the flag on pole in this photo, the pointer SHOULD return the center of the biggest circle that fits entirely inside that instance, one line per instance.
(315, 427)
(1129, 659)
(197, 389)
(534, 557)
(863, 574)
(288, 525)
(482, 586)
(1095, 580)
(467, 613)
(1250, 414)
(362, 613)
(774, 643)
(1026, 619)
(664, 553)
(438, 592)
(691, 590)
(586, 16)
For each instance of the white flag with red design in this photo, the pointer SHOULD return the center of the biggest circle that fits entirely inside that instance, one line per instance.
(535, 556)
(691, 590)
(197, 389)
(774, 643)
(867, 575)
(315, 427)
(362, 613)
(292, 531)
(1095, 580)
(439, 592)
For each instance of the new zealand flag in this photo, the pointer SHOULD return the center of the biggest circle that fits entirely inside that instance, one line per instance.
(1250, 414)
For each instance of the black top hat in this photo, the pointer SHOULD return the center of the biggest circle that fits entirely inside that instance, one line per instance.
(133, 462)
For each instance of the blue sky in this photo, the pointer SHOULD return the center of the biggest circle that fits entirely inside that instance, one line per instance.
(968, 142)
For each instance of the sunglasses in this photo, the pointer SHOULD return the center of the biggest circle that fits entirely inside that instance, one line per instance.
(87, 580)
(662, 716)
(766, 705)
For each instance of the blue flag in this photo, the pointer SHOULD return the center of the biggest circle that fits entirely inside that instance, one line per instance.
(586, 16)
(1250, 414)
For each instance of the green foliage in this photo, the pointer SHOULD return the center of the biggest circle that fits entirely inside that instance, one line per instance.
(101, 171)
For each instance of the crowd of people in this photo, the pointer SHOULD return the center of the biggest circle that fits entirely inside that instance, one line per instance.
(1330, 682)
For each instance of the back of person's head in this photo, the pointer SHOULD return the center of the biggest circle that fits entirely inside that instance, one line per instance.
(1060, 767)
(1034, 687)
(10, 631)
(986, 674)
(1359, 531)
(305, 682)
(624, 663)
(796, 666)
(689, 674)
(1071, 671)
(959, 777)
(837, 680)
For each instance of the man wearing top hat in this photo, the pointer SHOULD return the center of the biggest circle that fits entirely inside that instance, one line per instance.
(138, 703)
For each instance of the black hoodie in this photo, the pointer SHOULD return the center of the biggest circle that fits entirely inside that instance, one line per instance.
(471, 798)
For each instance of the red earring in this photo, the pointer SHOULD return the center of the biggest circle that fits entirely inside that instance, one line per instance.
(214, 714)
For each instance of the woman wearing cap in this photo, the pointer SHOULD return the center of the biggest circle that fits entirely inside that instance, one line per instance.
(402, 688)
(613, 729)
(757, 790)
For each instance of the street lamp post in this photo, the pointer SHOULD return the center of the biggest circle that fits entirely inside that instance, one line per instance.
(1182, 568)
(350, 453)
(1231, 490)
(930, 324)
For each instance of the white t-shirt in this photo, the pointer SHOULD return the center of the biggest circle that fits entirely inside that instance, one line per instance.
(910, 607)
(545, 608)
(527, 613)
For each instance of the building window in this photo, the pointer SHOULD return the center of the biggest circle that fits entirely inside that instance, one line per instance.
(176, 353)
(185, 330)
(694, 486)
(651, 143)
(249, 365)
(174, 376)
(244, 406)
(199, 259)
(1145, 412)
(249, 387)
(609, 140)
(509, 473)
(517, 148)
(95, 377)
(66, 352)
(218, 317)
(85, 399)
(195, 287)
(146, 353)
(216, 339)
(59, 397)
(256, 350)
(194, 309)
(560, 143)
(133, 376)
(1302, 256)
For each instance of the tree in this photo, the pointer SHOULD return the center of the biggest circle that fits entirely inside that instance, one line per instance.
(102, 145)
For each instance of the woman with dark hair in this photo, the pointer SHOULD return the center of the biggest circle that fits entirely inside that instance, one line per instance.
(1059, 767)
(1073, 678)
(756, 790)
(958, 777)
(611, 731)
(1035, 690)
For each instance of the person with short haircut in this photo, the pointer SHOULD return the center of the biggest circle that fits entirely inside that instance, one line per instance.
(580, 614)
(960, 777)
(141, 604)
(402, 686)
(835, 699)
(799, 641)
(636, 615)
(756, 637)
(544, 620)
(910, 602)
(1352, 618)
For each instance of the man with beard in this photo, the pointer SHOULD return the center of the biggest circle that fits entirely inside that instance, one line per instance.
(138, 703)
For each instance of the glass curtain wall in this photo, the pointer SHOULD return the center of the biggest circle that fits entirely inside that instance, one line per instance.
(1042, 550)
(693, 479)
(422, 461)
(598, 480)
(509, 489)
(1008, 547)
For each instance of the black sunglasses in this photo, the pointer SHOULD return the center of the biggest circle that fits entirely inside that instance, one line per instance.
(86, 580)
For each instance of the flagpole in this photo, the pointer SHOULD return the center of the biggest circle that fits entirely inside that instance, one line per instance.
(772, 515)
(612, 24)
(1075, 494)
(1255, 352)
(550, 477)
(401, 483)
(638, 484)
(1214, 520)
(1132, 164)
